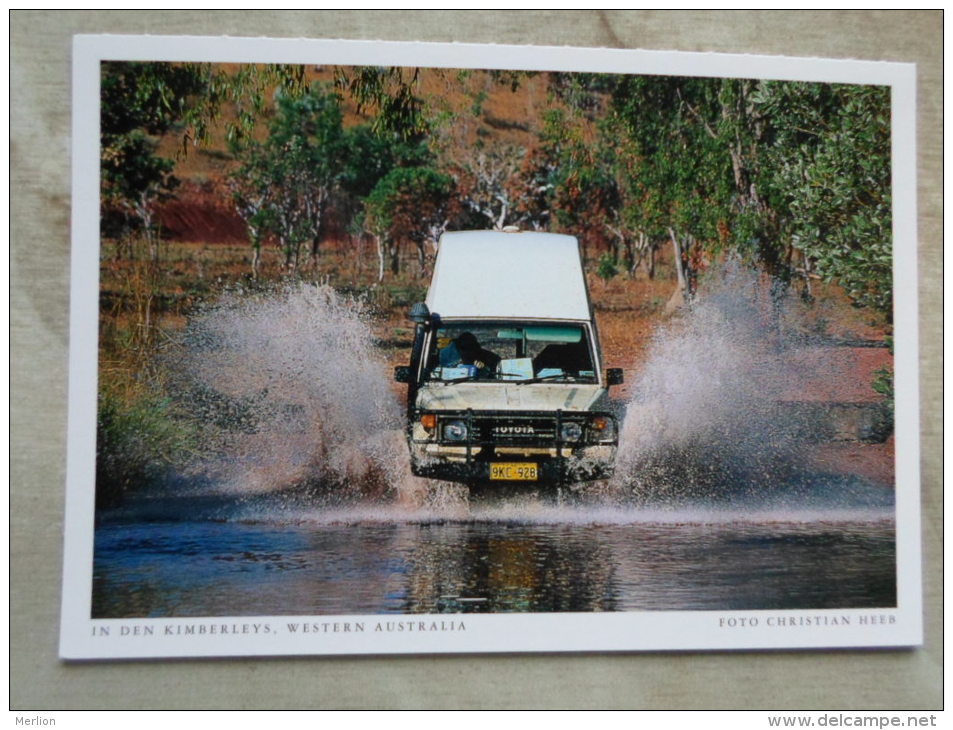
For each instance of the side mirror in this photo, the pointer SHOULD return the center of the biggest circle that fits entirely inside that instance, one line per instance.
(614, 376)
(419, 313)
(402, 374)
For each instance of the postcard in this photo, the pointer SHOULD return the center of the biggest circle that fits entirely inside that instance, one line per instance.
(411, 348)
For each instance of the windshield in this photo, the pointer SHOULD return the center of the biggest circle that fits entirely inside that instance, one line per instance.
(526, 353)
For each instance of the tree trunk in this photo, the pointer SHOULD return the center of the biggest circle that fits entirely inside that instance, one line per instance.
(358, 243)
(635, 252)
(808, 293)
(318, 235)
(679, 263)
(422, 255)
(501, 221)
(152, 237)
(289, 250)
(681, 295)
(315, 246)
(380, 258)
(394, 253)
(146, 216)
(255, 259)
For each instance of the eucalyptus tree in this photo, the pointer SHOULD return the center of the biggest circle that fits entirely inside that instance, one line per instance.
(391, 95)
(413, 205)
(794, 176)
(485, 175)
(680, 186)
(830, 174)
(582, 191)
(284, 185)
(138, 103)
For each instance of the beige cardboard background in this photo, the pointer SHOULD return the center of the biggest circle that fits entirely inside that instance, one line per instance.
(40, 208)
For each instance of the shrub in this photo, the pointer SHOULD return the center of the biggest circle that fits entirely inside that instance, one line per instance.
(138, 438)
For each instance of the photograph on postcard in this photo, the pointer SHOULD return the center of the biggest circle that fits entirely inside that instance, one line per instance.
(393, 348)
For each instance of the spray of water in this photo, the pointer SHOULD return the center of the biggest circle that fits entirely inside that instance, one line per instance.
(706, 420)
(297, 400)
(293, 396)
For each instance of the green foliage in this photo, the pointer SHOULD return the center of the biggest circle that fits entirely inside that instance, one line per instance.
(245, 92)
(479, 99)
(831, 172)
(285, 183)
(368, 157)
(582, 191)
(793, 176)
(309, 162)
(683, 174)
(139, 101)
(146, 96)
(408, 202)
(586, 93)
(883, 383)
(139, 434)
(133, 176)
(608, 267)
(391, 93)
(764, 168)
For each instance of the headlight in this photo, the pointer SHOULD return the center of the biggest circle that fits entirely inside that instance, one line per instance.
(455, 431)
(570, 432)
(601, 429)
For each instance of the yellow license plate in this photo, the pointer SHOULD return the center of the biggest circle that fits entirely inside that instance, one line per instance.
(519, 471)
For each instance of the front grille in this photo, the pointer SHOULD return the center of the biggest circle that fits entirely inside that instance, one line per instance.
(507, 429)
(514, 430)
(526, 429)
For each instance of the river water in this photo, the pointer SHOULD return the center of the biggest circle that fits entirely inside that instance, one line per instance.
(206, 556)
(714, 505)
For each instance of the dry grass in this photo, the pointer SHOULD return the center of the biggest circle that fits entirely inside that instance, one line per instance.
(141, 301)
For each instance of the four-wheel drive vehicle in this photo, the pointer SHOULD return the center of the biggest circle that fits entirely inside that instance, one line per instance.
(505, 382)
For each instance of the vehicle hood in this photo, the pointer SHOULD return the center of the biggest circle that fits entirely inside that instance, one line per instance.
(510, 397)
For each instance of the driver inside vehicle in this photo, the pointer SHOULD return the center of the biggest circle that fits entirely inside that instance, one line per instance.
(466, 350)
(570, 357)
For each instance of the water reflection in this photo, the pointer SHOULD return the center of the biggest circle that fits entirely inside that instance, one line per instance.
(507, 568)
(567, 560)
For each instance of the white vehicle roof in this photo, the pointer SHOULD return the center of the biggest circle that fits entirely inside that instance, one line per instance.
(497, 274)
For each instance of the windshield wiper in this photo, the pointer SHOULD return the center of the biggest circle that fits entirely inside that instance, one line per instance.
(495, 377)
(465, 379)
(498, 377)
(541, 378)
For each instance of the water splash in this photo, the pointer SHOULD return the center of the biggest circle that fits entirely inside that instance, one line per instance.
(706, 419)
(297, 401)
(293, 395)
